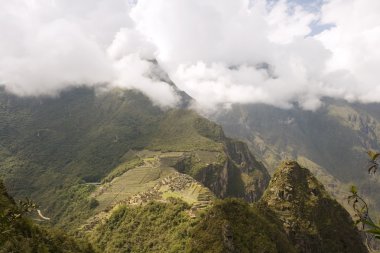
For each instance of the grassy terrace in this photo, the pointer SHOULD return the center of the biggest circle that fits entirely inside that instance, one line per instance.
(152, 177)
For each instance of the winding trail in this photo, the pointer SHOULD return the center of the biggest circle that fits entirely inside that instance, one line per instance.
(40, 214)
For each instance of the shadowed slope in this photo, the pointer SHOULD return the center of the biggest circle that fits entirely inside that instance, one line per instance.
(313, 221)
(20, 234)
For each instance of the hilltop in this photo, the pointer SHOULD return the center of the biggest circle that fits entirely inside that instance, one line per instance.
(313, 221)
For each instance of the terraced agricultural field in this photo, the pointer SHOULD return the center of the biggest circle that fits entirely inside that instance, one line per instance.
(133, 181)
(207, 156)
(153, 178)
(184, 187)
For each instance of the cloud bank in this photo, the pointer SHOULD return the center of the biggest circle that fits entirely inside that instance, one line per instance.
(218, 51)
(47, 46)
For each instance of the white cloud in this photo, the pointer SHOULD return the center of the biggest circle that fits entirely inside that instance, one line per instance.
(213, 49)
(137, 77)
(55, 56)
(218, 51)
(354, 43)
(215, 54)
(47, 46)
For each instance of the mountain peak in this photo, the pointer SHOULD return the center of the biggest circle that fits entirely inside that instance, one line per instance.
(291, 182)
(311, 218)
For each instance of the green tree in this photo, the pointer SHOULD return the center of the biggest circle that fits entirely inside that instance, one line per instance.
(360, 206)
(10, 217)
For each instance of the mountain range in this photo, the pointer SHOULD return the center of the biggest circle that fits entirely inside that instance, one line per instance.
(110, 168)
(332, 141)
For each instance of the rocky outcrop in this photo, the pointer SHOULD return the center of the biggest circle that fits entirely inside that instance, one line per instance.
(254, 175)
(313, 221)
(236, 173)
(216, 177)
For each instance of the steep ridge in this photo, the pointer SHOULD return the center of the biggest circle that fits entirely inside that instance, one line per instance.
(229, 225)
(313, 221)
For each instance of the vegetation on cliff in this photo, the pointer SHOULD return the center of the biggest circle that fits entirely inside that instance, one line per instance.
(154, 227)
(232, 225)
(19, 234)
(312, 219)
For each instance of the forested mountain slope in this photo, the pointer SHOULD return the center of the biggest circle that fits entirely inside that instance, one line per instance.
(55, 150)
(20, 234)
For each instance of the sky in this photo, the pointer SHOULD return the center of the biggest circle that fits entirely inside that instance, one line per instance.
(220, 52)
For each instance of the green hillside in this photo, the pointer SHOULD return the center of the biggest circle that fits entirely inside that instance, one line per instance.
(55, 150)
(234, 226)
(112, 169)
(229, 226)
(155, 227)
(19, 234)
(295, 214)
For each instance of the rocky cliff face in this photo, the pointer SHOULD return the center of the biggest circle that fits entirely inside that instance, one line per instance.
(255, 176)
(236, 173)
(231, 172)
(313, 221)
